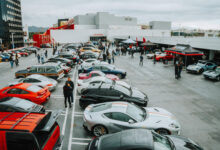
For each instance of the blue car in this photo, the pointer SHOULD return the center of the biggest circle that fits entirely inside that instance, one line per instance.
(107, 69)
(201, 66)
(4, 57)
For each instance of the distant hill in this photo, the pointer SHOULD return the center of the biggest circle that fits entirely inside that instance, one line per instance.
(37, 29)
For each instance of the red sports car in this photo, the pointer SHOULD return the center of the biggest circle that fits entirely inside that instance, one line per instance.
(27, 91)
(164, 56)
(83, 76)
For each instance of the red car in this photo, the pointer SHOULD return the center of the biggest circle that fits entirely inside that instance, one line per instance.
(164, 56)
(22, 53)
(27, 91)
(83, 76)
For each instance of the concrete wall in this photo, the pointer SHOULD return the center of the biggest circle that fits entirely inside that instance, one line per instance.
(160, 25)
(88, 19)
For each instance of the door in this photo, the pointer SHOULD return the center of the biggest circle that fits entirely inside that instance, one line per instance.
(106, 70)
(118, 121)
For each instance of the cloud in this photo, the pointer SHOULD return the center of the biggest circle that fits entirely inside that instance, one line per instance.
(193, 13)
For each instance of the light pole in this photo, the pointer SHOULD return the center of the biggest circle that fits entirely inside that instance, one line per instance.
(12, 36)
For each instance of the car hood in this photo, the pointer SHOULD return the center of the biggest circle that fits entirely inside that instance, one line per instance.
(158, 116)
(194, 67)
(138, 94)
(124, 84)
(211, 73)
(183, 143)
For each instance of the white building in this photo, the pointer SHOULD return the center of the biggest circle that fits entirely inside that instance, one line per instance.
(103, 25)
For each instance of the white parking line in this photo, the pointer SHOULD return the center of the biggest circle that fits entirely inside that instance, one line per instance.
(82, 139)
(73, 111)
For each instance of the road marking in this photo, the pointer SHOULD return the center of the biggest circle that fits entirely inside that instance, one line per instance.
(73, 111)
(79, 143)
(78, 115)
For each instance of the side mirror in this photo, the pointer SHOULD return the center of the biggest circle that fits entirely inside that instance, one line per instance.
(130, 121)
(121, 96)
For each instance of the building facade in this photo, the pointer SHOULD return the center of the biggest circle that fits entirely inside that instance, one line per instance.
(11, 30)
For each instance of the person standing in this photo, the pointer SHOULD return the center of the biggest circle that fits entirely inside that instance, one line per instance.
(154, 59)
(141, 63)
(113, 57)
(176, 62)
(16, 60)
(109, 57)
(46, 53)
(67, 93)
(11, 61)
(38, 58)
(180, 67)
(70, 82)
(42, 58)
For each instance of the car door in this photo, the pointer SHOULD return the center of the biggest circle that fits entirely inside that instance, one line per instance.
(106, 70)
(118, 121)
(32, 70)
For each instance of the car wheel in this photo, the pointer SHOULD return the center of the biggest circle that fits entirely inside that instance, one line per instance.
(82, 105)
(218, 78)
(99, 130)
(119, 76)
(163, 131)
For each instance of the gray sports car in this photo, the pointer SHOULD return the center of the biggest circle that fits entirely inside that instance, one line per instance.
(113, 117)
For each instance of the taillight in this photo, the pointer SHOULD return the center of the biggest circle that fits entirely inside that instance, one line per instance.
(83, 96)
(49, 84)
(79, 84)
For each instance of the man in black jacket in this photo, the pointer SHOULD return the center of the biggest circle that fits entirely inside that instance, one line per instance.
(67, 90)
(70, 82)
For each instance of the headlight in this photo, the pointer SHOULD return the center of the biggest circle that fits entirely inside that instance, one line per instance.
(173, 125)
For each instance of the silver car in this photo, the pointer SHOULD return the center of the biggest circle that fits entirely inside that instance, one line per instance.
(38, 80)
(113, 117)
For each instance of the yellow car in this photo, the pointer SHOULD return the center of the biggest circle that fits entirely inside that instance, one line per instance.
(83, 49)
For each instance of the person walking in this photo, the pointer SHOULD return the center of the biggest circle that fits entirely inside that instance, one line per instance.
(38, 58)
(42, 58)
(176, 62)
(113, 57)
(180, 67)
(70, 82)
(154, 59)
(67, 94)
(141, 63)
(11, 61)
(16, 60)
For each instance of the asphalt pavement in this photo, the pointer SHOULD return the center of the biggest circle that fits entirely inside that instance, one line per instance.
(192, 99)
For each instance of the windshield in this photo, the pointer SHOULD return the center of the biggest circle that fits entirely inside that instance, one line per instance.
(200, 64)
(34, 88)
(161, 142)
(136, 112)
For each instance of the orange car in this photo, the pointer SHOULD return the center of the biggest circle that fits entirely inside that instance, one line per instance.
(29, 131)
(27, 91)
(83, 49)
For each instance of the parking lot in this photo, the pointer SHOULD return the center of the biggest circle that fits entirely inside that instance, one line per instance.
(192, 99)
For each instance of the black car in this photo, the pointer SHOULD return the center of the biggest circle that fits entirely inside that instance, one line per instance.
(67, 56)
(85, 56)
(141, 139)
(13, 104)
(99, 93)
(68, 62)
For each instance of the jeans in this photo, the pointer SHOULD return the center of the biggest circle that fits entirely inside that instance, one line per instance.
(71, 97)
(65, 102)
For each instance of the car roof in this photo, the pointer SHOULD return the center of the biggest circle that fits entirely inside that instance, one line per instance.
(20, 121)
(14, 101)
(117, 107)
(21, 85)
(127, 139)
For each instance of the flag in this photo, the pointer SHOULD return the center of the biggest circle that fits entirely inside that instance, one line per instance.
(144, 40)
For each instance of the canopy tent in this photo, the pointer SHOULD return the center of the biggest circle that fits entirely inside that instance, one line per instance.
(129, 41)
(185, 50)
(148, 43)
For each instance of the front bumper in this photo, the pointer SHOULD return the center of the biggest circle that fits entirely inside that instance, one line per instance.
(210, 77)
(193, 71)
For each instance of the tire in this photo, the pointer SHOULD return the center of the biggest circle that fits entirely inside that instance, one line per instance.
(83, 106)
(201, 71)
(99, 130)
(20, 77)
(119, 76)
(163, 131)
(218, 78)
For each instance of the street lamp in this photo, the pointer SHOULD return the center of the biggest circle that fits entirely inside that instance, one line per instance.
(12, 36)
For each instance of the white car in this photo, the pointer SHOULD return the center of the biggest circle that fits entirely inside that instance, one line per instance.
(89, 62)
(150, 56)
(83, 84)
(38, 80)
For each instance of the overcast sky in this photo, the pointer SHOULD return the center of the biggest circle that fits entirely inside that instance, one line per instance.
(203, 14)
